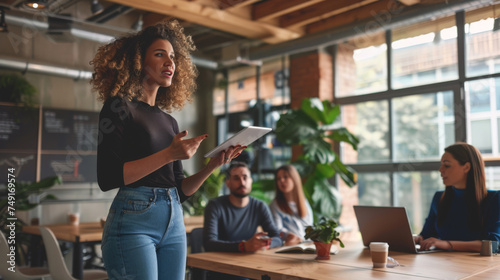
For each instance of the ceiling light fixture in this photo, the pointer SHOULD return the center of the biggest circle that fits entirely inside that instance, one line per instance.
(96, 7)
(36, 4)
(3, 25)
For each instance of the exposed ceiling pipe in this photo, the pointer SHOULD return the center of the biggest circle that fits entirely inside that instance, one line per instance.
(27, 66)
(91, 36)
(110, 13)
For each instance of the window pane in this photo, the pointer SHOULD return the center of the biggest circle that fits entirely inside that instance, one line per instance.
(497, 93)
(362, 65)
(481, 136)
(420, 126)
(369, 121)
(483, 55)
(414, 191)
(242, 87)
(483, 109)
(492, 178)
(479, 95)
(374, 189)
(435, 44)
(498, 134)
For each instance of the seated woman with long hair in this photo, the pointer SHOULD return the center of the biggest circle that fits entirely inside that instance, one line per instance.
(466, 212)
(291, 211)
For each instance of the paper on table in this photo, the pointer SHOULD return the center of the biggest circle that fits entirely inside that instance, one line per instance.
(305, 248)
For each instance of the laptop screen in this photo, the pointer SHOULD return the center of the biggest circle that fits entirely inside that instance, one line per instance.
(385, 224)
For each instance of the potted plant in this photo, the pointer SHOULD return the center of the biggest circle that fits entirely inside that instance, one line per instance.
(314, 127)
(323, 234)
(23, 195)
(16, 89)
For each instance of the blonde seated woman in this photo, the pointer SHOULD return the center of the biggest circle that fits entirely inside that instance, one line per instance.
(291, 211)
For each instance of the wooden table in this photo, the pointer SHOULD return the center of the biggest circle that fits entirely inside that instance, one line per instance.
(83, 233)
(192, 222)
(353, 262)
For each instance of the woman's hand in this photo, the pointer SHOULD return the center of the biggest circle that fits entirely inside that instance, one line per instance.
(292, 239)
(181, 149)
(431, 243)
(225, 156)
(417, 239)
(191, 184)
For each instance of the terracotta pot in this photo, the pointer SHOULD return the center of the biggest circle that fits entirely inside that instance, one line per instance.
(322, 250)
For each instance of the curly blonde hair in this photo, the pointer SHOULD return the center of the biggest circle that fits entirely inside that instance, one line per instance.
(118, 66)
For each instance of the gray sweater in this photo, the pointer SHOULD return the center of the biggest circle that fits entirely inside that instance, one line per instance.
(226, 225)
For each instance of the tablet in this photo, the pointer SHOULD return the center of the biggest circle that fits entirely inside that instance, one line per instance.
(244, 137)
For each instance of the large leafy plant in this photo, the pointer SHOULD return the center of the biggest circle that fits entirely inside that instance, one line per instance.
(16, 89)
(314, 127)
(263, 190)
(195, 205)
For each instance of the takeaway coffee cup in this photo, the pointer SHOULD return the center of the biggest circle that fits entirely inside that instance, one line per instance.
(488, 248)
(379, 252)
(74, 218)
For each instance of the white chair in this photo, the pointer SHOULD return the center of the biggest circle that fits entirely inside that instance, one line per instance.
(57, 266)
(20, 273)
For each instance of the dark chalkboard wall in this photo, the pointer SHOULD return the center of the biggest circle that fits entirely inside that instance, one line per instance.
(24, 165)
(68, 143)
(69, 130)
(18, 128)
(18, 142)
(71, 167)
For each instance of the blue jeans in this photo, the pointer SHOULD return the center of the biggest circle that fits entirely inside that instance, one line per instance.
(144, 236)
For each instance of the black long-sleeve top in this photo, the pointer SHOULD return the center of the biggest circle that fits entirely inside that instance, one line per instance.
(131, 130)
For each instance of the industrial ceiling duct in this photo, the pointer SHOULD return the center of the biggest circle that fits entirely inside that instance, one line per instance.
(60, 29)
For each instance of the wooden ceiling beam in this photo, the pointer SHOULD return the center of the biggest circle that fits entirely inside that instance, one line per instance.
(230, 4)
(410, 2)
(224, 4)
(214, 18)
(275, 8)
(321, 11)
(362, 13)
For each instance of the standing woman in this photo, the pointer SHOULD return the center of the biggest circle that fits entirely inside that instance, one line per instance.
(465, 213)
(140, 150)
(291, 211)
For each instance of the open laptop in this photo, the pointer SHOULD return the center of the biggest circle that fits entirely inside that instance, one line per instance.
(386, 224)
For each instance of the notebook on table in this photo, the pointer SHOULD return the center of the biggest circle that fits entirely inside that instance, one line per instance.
(387, 224)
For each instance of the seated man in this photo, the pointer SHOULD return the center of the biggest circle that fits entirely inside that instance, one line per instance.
(231, 221)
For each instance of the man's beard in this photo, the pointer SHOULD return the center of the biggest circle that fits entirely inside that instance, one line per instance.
(239, 195)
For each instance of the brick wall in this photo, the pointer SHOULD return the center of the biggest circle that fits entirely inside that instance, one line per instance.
(310, 76)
